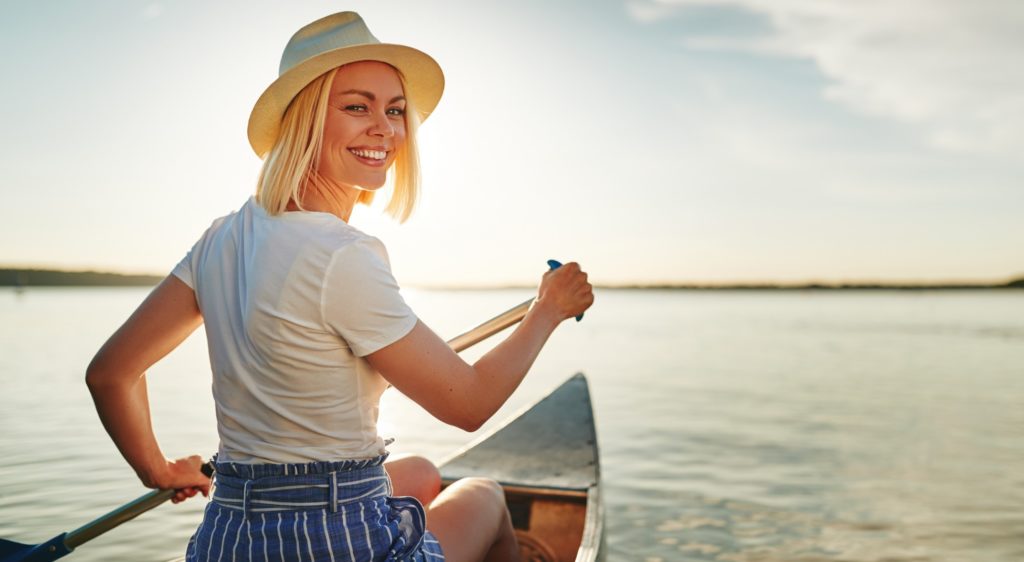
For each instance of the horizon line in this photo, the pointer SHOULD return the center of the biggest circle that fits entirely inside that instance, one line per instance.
(18, 276)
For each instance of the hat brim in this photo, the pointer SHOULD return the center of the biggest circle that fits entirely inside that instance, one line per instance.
(422, 76)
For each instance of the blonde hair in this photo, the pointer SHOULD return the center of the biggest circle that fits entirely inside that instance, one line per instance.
(292, 159)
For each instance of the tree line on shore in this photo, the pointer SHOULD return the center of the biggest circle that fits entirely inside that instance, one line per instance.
(57, 278)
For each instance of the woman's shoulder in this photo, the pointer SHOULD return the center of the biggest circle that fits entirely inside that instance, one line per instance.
(325, 240)
(217, 227)
(335, 236)
(361, 250)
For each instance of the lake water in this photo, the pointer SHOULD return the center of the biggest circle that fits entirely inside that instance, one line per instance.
(738, 426)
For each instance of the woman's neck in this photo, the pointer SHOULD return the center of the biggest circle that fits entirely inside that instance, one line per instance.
(323, 195)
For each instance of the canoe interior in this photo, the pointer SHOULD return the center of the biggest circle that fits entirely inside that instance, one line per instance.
(546, 459)
(549, 526)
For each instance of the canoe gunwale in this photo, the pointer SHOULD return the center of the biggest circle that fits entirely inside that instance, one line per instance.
(592, 543)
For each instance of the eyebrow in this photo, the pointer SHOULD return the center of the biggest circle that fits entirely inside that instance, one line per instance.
(370, 95)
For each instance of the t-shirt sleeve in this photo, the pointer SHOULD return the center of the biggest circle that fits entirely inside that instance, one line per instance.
(187, 268)
(361, 301)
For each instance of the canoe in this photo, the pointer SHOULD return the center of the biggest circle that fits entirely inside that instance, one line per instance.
(546, 459)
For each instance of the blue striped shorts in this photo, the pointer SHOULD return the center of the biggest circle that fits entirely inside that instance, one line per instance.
(338, 511)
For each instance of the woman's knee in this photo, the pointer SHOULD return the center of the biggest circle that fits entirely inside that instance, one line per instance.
(476, 504)
(426, 471)
(429, 477)
(415, 476)
(484, 486)
(485, 493)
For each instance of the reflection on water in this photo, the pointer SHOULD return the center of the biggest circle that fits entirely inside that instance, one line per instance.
(733, 426)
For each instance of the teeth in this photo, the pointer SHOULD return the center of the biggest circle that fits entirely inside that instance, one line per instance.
(372, 154)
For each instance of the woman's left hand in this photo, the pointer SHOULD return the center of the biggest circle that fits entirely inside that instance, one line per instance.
(185, 476)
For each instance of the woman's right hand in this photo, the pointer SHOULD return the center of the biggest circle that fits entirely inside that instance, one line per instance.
(565, 292)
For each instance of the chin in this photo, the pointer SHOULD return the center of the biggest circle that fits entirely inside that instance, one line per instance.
(374, 186)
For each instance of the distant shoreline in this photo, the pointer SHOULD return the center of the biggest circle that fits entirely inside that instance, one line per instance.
(11, 277)
(55, 278)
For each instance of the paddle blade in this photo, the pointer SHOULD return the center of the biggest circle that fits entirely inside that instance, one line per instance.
(9, 548)
(52, 549)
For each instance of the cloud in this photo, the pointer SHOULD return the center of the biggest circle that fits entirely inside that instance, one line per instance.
(649, 12)
(951, 67)
(152, 11)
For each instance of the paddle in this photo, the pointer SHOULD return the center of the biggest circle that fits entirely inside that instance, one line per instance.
(64, 543)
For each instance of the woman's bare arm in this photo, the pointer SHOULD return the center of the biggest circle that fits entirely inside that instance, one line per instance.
(117, 381)
(424, 368)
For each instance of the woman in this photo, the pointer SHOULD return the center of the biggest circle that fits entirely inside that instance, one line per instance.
(306, 328)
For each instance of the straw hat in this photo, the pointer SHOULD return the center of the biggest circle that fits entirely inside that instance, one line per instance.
(329, 43)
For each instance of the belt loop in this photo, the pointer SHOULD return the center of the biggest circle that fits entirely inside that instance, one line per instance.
(334, 492)
(246, 493)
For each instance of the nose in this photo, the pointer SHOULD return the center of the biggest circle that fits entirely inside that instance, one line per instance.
(382, 126)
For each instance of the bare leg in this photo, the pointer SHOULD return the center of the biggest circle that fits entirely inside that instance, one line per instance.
(472, 522)
(414, 476)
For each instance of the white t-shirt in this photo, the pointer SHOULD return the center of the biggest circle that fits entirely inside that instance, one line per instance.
(292, 303)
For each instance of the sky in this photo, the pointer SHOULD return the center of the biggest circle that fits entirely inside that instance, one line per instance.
(653, 141)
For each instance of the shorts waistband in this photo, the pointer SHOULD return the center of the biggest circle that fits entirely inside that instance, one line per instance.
(261, 470)
(261, 488)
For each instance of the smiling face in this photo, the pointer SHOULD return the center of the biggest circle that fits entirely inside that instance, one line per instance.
(364, 126)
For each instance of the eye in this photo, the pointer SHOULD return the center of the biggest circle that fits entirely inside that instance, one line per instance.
(356, 108)
(396, 111)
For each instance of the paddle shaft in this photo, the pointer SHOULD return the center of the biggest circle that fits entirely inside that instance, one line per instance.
(490, 327)
(124, 513)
